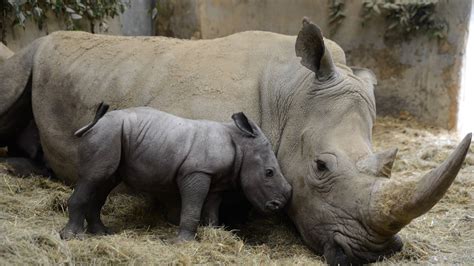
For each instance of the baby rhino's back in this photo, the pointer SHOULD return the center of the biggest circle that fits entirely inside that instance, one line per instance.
(158, 147)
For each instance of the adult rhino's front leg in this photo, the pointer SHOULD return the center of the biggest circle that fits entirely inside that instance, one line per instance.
(25, 154)
(19, 166)
(18, 130)
(15, 92)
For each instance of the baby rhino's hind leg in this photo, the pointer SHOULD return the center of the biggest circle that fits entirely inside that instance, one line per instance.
(99, 158)
(94, 223)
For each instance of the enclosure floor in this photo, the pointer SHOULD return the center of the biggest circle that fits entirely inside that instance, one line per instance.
(32, 211)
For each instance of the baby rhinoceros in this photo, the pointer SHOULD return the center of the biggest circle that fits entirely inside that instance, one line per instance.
(155, 152)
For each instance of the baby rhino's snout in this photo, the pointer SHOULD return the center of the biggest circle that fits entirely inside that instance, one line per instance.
(273, 205)
(278, 204)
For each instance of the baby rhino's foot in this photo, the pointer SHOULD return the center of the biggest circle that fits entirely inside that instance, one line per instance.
(70, 232)
(181, 238)
(212, 222)
(99, 229)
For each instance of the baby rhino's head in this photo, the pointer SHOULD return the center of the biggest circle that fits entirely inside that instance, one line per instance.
(261, 179)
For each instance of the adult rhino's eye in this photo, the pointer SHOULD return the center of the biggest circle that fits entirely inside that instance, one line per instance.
(321, 165)
(269, 173)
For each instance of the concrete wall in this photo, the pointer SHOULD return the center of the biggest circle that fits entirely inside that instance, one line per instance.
(418, 75)
(136, 20)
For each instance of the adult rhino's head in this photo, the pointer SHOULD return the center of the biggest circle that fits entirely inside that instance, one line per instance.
(344, 204)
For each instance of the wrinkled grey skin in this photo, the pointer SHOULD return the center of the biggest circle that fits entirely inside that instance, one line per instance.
(317, 113)
(155, 152)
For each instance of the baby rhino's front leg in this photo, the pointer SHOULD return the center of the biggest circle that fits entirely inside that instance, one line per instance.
(193, 189)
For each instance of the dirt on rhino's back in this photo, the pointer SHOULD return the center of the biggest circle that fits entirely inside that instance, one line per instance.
(76, 39)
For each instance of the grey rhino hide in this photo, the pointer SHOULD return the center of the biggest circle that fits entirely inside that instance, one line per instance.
(319, 119)
(153, 152)
(83, 69)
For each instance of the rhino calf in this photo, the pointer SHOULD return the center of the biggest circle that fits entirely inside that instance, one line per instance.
(155, 152)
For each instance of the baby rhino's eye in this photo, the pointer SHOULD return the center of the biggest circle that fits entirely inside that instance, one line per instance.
(269, 173)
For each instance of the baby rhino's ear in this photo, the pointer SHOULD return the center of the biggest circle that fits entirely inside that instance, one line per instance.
(242, 123)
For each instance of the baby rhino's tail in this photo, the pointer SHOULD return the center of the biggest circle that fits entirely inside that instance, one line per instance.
(101, 110)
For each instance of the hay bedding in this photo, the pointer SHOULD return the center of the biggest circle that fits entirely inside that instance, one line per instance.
(33, 209)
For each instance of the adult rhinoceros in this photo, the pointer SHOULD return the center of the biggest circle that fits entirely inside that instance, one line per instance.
(317, 112)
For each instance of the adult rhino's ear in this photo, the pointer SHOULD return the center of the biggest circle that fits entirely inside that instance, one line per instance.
(365, 74)
(368, 77)
(242, 123)
(314, 55)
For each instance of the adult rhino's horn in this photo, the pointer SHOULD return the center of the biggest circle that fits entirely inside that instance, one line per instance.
(395, 203)
(314, 54)
(378, 164)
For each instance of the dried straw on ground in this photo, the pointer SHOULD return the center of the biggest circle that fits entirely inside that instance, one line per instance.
(32, 210)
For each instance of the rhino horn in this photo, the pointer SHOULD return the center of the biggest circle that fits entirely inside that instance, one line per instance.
(378, 164)
(314, 54)
(395, 203)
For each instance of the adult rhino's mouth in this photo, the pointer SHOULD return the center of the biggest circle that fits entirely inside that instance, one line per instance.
(351, 243)
(347, 252)
(392, 205)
